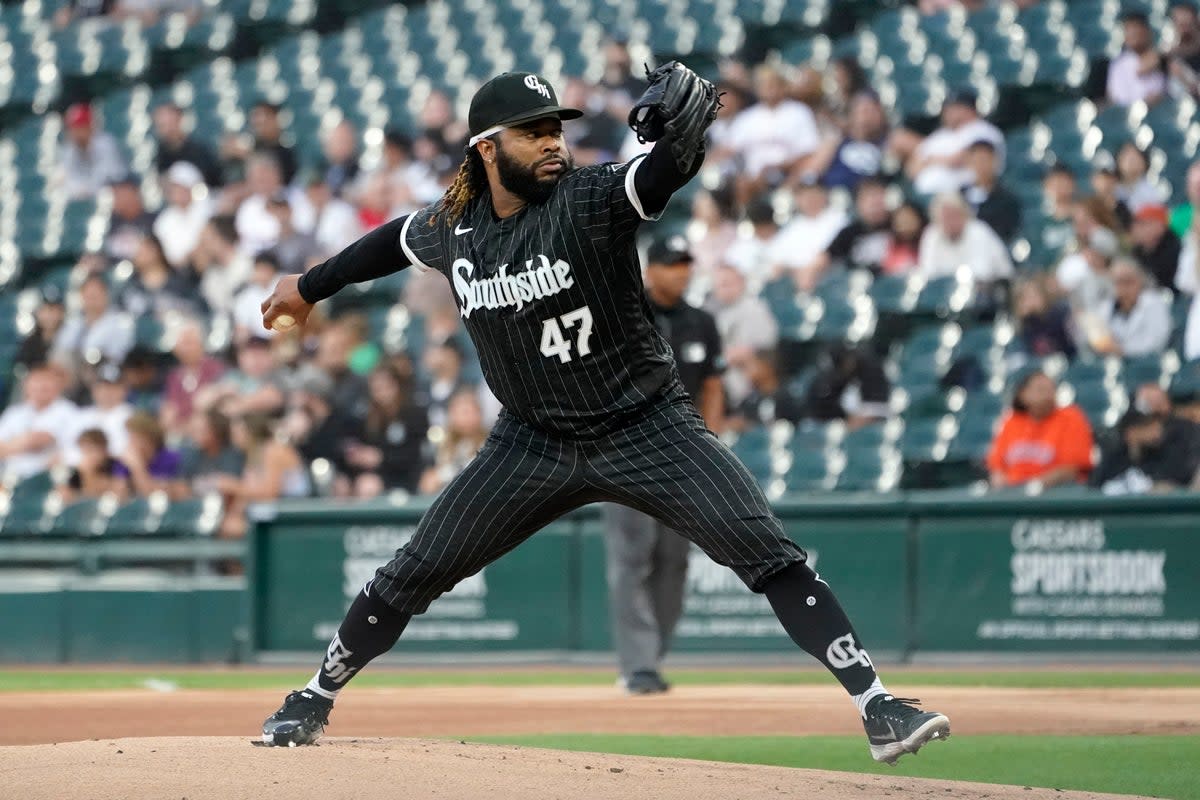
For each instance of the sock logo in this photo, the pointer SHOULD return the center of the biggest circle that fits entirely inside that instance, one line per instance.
(843, 653)
(335, 670)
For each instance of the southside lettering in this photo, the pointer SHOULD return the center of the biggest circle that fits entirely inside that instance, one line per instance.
(509, 290)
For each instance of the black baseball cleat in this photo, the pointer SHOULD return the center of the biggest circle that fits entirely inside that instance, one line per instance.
(895, 727)
(301, 720)
(648, 682)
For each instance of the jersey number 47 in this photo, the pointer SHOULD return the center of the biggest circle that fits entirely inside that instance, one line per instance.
(555, 344)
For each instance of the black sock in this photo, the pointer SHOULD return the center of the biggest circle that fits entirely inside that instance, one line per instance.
(813, 617)
(371, 628)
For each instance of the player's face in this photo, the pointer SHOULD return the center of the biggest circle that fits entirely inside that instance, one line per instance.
(532, 159)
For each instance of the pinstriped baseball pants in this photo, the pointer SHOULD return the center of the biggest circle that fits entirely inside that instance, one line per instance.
(664, 463)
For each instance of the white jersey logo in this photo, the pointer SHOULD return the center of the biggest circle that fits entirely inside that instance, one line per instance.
(336, 670)
(459, 230)
(843, 652)
(509, 290)
(533, 84)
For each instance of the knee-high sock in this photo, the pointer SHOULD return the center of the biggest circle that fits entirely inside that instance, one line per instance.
(371, 628)
(813, 617)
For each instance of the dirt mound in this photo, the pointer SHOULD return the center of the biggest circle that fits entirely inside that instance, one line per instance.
(225, 768)
(36, 718)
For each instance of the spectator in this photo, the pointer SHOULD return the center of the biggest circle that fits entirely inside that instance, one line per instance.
(336, 223)
(221, 264)
(749, 252)
(1043, 325)
(386, 452)
(902, 252)
(130, 220)
(89, 158)
(48, 320)
(596, 137)
(82, 9)
(462, 438)
(293, 249)
(145, 381)
(956, 240)
(619, 86)
(1084, 277)
(1039, 442)
(845, 160)
(745, 325)
(849, 385)
(1187, 281)
(1137, 73)
(174, 145)
(340, 150)
(1151, 454)
(188, 209)
(97, 473)
(443, 364)
(1134, 190)
(1139, 318)
(96, 330)
(1155, 245)
(34, 431)
(938, 163)
(318, 430)
(1184, 214)
(863, 243)
(109, 410)
(268, 138)
(257, 229)
(848, 84)
(443, 131)
(1183, 60)
(150, 465)
(156, 289)
(254, 386)
(337, 343)
(992, 203)
(273, 470)
(712, 231)
(769, 399)
(210, 457)
(1105, 184)
(417, 178)
(799, 245)
(194, 372)
(773, 139)
(1058, 207)
(1150, 398)
(247, 305)
(148, 12)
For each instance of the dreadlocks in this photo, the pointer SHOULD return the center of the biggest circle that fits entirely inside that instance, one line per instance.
(470, 181)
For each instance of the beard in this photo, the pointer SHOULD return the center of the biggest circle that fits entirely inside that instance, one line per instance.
(523, 181)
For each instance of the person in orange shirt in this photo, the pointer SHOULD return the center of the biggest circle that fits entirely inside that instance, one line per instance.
(1038, 440)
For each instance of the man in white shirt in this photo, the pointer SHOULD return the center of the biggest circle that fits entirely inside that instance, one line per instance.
(109, 412)
(745, 325)
(247, 305)
(257, 227)
(222, 264)
(1137, 73)
(33, 432)
(771, 140)
(94, 331)
(748, 250)
(337, 225)
(956, 239)
(939, 162)
(188, 209)
(1139, 318)
(807, 235)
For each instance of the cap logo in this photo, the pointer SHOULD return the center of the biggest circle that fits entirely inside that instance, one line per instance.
(533, 84)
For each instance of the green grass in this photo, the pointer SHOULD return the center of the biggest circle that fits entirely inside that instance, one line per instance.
(1158, 766)
(253, 678)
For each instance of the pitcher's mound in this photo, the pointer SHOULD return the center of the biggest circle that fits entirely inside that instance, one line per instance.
(224, 768)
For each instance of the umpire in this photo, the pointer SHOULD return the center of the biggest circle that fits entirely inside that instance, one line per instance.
(647, 561)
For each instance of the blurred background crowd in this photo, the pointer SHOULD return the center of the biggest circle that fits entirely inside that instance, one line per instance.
(992, 282)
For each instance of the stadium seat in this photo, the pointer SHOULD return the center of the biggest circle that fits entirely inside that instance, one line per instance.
(196, 517)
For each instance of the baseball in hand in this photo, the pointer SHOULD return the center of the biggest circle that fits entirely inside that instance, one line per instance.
(284, 322)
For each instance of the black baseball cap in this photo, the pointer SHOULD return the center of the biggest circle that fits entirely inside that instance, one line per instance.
(512, 98)
(670, 251)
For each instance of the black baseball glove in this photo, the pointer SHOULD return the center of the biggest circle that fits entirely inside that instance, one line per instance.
(678, 105)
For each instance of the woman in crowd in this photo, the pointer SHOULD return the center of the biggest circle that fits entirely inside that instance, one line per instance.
(1042, 325)
(151, 465)
(465, 433)
(97, 473)
(387, 451)
(1040, 442)
(903, 247)
(1134, 188)
(273, 470)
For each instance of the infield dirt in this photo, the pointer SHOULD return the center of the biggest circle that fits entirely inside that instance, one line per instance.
(228, 768)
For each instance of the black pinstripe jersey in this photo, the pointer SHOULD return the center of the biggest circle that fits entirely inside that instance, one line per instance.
(552, 297)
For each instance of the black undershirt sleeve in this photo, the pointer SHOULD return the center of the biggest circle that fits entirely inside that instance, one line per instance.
(658, 177)
(373, 256)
